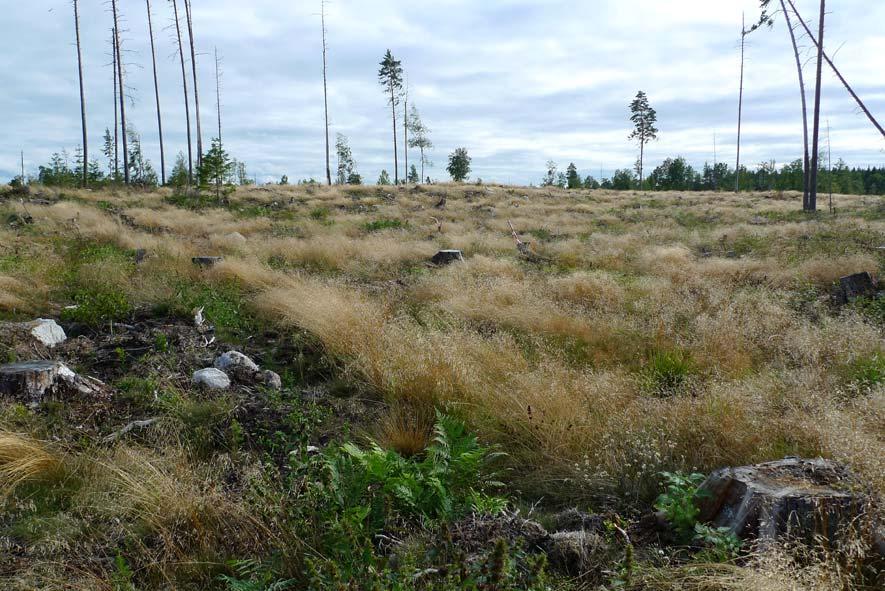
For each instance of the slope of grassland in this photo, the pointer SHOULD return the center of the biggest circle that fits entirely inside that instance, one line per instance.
(644, 333)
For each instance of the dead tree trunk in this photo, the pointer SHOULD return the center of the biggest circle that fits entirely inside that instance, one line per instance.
(406, 128)
(119, 54)
(187, 108)
(82, 95)
(806, 159)
(190, 31)
(737, 168)
(395, 148)
(326, 91)
(836, 71)
(815, 140)
(116, 108)
(157, 94)
(218, 92)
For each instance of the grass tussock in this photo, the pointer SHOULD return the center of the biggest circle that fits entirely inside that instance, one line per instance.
(25, 460)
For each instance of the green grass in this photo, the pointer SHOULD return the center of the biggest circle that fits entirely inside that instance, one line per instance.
(384, 224)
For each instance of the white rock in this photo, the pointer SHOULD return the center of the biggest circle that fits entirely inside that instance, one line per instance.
(212, 378)
(235, 359)
(272, 380)
(236, 237)
(48, 332)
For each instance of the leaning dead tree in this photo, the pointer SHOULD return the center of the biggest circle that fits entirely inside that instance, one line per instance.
(326, 90)
(190, 32)
(157, 94)
(836, 71)
(187, 109)
(815, 137)
(82, 95)
(122, 87)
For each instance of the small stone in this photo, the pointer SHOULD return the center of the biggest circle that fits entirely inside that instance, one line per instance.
(48, 332)
(235, 359)
(140, 255)
(212, 378)
(447, 257)
(236, 237)
(207, 261)
(272, 380)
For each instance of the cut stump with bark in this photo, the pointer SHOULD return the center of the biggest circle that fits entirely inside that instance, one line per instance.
(447, 257)
(789, 498)
(34, 381)
(856, 286)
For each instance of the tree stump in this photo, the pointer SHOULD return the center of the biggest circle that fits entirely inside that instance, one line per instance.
(206, 261)
(34, 381)
(856, 286)
(30, 380)
(789, 498)
(447, 257)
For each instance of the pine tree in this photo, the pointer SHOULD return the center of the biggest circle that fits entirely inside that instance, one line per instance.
(413, 175)
(644, 119)
(215, 168)
(179, 176)
(390, 76)
(572, 179)
(108, 151)
(384, 178)
(550, 178)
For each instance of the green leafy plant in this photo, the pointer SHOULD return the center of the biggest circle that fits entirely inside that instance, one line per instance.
(97, 305)
(720, 544)
(678, 502)
(384, 224)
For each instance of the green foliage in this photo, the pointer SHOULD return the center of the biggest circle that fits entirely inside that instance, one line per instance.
(320, 214)
(252, 575)
(865, 373)
(667, 372)
(216, 168)
(871, 308)
(459, 165)
(383, 178)
(121, 578)
(448, 481)
(678, 502)
(720, 544)
(384, 224)
(573, 180)
(347, 174)
(179, 176)
(98, 305)
(414, 177)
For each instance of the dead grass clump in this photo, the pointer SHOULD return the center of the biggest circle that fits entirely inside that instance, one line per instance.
(24, 460)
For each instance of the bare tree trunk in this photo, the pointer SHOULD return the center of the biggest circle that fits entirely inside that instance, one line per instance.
(844, 82)
(122, 91)
(23, 168)
(737, 168)
(82, 96)
(157, 94)
(395, 148)
(422, 165)
(218, 92)
(326, 91)
(406, 129)
(116, 107)
(805, 161)
(641, 161)
(187, 109)
(815, 140)
(190, 31)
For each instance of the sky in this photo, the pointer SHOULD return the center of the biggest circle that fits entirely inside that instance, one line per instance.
(516, 82)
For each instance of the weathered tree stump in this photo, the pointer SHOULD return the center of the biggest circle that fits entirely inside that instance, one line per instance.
(33, 381)
(856, 286)
(207, 261)
(447, 257)
(789, 498)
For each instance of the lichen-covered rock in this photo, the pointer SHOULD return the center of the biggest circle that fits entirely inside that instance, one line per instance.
(211, 378)
(272, 380)
(47, 332)
(235, 359)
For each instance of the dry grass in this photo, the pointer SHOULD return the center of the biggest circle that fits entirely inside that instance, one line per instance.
(24, 460)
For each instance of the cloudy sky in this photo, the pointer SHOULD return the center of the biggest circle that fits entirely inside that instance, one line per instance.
(517, 82)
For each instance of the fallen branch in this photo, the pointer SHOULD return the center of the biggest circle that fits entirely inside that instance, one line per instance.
(133, 425)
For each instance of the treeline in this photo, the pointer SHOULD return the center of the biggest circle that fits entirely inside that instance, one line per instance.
(676, 174)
